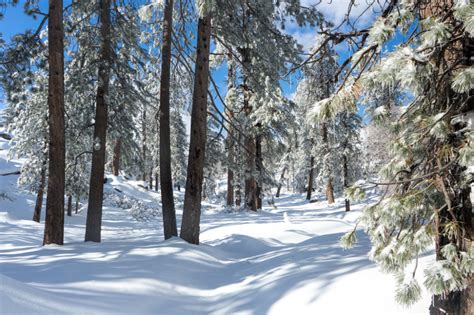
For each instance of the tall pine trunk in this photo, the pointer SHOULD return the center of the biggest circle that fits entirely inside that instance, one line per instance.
(192, 196)
(345, 174)
(39, 195)
(116, 157)
(230, 137)
(310, 177)
(96, 186)
(54, 223)
(69, 205)
(329, 187)
(169, 215)
(280, 183)
(259, 168)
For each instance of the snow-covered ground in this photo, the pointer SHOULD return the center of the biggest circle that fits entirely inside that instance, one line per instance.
(281, 260)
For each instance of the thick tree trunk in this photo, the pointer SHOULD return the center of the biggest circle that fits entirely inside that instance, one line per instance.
(69, 205)
(345, 174)
(192, 197)
(169, 214)
(310, 178)
(39, 195)
(280, 183)
(116, 157)
(96, 186)
(54, 223)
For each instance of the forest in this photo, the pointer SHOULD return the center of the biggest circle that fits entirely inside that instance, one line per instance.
(236, 157)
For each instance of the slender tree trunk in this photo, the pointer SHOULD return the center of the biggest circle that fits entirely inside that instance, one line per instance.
(230, 137)
(39, 195)
(69, 205)
(192, 196)
(345, 174)
(54, 223)
(329, 187)
(280, 183)
(238, 186)
(259, 168)
(78, 198)
(116, 157)
(310, 178)
(156, 181)
(144, 148)
(169, 215)
(96, 186)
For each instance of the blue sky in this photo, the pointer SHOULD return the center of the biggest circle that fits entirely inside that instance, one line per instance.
(16, 21)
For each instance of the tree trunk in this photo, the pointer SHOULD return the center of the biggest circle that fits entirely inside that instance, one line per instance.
(346, 180)
(169, 214)
(280, 183)
(192, 196)
(69, 205)
(144, 148)
(310, 178)
(96, 186)
(116, 157)
(329, 187)
(238, 185)
(54, 223)
(230, 137)
(78, 198)
(156, 181)
(39, 195)
(259, 168)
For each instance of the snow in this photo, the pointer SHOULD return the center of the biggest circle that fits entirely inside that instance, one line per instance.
(277, 261)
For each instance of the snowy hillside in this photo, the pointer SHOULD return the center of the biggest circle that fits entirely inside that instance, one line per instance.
(280, 260)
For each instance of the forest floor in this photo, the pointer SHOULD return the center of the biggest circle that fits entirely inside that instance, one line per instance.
(283, 259)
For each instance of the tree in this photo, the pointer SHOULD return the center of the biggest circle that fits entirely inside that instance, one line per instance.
(427, 198)
(96, 187)
(192, 198)
(167, 200)
(54, 223)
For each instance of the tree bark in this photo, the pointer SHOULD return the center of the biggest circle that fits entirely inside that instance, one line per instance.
(192, 197)
(346, 180)
(78, 198)
(167, 200)
(54, 223)
(39, 195)
(310, 178)
(96, 186)
(230, 138)
(69, 205)
(156, 181)
(116, 157)
(329, 187)
(238, 185)
(280, 183)
(259, 168)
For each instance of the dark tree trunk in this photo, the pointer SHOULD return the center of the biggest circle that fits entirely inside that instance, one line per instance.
(96, 186)
(310, 178)
(78, 198)
(345, 174)
(192, 196)
(259, 167)
(39, 196)
(238, 185)
(69, 205)
(169, 214)
(280, 183)
(116, 157)
(157, 182)
(54, 223)
(144, 148)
